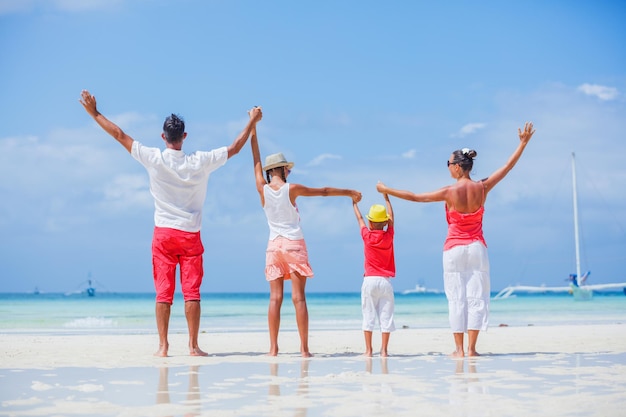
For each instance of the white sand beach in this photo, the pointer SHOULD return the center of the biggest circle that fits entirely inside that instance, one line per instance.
(535, 370)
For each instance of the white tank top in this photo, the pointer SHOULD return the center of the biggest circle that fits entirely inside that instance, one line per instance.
(282, 216)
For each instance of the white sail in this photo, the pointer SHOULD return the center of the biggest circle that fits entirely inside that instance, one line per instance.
(578, 286)
(579, 292)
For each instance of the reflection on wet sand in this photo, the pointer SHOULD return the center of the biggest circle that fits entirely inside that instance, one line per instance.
(377, 389)
(302, 390)
(193, 402)
(467, 391)
(384, 369)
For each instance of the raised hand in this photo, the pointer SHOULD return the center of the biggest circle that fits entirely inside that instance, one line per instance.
(528, 132)
(89, 103)
(256, 113)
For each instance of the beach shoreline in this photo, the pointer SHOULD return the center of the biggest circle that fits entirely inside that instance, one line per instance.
(560, 370)
(110, 351)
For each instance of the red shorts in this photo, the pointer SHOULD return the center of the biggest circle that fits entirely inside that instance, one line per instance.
(171, 247)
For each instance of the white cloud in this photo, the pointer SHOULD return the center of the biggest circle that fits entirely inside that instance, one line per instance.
(410, 154)
(602, 92)
(129, 119)
(321, 158)
(127, 191)
(469, 129)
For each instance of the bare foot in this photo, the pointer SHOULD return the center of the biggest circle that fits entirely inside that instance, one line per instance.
(273, 351)
(384, 354)
(472, 353)
(457, 354)
(197, 352)
(162, 352)
(368, 354)
(307, 354)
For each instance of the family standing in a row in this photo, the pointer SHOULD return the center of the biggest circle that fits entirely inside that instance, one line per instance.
(178, 183)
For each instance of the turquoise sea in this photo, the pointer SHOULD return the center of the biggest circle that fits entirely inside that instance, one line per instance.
(133, 313)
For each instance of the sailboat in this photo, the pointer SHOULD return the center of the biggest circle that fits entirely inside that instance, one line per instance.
(577, 282)
(577, 286)
(420, 289)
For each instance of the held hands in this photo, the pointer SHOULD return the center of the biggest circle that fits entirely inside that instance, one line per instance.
(528, 132)
(255, 113)
(89, 103)
(356, 196)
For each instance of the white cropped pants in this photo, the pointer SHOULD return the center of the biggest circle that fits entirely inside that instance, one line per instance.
(467, 286)
(377, 301)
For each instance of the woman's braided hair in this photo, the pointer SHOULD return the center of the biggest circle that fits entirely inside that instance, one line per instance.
(282, 174)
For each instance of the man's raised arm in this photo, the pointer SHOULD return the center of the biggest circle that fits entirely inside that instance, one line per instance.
(89, 103)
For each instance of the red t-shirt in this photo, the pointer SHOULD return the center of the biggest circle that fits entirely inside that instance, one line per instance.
(378, 249)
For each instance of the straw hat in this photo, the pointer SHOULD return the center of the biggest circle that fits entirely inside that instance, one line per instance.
(377, 214)
(276, 160)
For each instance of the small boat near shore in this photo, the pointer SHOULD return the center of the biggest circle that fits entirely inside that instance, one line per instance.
(420, 289)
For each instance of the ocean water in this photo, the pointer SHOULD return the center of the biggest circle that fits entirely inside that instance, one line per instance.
(133, 313)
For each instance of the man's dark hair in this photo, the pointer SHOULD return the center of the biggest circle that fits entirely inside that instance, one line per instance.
(173, 128)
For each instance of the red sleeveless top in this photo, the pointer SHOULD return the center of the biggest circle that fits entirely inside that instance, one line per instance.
(464, 228)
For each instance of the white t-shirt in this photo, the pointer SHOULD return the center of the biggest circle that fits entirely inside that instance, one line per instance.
(282, 216)
(178, 183)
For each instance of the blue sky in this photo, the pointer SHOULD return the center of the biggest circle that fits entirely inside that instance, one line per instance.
(353, 92)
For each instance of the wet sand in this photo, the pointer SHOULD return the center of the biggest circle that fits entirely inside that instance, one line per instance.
(540, 371)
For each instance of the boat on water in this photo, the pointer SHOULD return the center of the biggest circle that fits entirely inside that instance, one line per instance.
(420, 289)
(578, 287)
(576, 281)
(87, 287)
(91, 291)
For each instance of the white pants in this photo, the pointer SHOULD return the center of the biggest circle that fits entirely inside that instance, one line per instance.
(377, 302)
(467, 286)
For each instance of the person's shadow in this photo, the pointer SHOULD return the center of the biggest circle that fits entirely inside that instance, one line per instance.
(193, 390)
(302, 390)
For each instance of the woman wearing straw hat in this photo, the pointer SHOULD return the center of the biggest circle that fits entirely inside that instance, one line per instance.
(286, 255)
(465, 263)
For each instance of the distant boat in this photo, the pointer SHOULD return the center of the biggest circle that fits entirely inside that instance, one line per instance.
(420, 289)
(578, 287)
(579, 293)
(87, 287)
(91, 291)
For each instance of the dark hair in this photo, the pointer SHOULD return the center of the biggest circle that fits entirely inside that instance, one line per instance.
(464, 158)
(282, 174)
(174, 128)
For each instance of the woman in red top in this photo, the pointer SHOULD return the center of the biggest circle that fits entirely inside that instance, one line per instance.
(465, 261)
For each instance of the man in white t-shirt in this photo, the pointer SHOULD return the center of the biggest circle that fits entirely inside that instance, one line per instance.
(178, 183)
